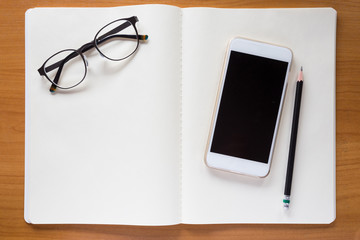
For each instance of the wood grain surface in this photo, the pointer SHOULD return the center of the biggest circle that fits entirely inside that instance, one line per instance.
(12, 128)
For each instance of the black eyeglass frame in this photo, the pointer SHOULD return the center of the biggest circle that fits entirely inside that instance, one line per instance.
(131, 21)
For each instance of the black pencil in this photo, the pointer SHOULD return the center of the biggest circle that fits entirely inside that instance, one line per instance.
(292, 147)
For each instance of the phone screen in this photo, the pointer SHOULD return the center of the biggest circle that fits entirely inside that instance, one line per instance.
(249, 106)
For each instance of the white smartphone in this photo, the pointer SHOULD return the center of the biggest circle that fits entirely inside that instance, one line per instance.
(248, 107)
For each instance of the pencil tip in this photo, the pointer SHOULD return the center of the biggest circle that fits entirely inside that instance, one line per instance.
(300, 77)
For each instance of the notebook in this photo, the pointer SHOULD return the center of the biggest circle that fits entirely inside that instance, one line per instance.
(127, 146)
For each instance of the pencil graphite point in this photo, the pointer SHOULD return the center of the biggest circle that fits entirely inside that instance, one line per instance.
(300, 77)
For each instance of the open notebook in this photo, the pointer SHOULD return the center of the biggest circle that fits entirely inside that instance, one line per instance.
(127, 146)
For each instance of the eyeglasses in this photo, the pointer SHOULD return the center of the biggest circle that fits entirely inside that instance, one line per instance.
(116, 41)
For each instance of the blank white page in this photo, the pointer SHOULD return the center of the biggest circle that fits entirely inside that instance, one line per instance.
(108, 151)
(212, 196)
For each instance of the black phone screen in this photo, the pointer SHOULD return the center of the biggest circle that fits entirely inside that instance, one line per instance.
(249, 107)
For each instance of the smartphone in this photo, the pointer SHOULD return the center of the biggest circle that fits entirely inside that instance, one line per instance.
(248, 107)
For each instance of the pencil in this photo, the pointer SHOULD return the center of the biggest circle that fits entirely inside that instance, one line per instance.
(292, 147)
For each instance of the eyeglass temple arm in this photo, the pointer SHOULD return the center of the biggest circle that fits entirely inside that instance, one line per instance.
(118, 29)
(56, 79)
(42, 70)
(121, 27)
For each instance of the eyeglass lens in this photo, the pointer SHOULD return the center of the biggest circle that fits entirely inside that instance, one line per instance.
(73, 70)
(117, 44)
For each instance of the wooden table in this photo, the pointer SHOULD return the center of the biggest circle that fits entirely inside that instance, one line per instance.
(12, 128)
